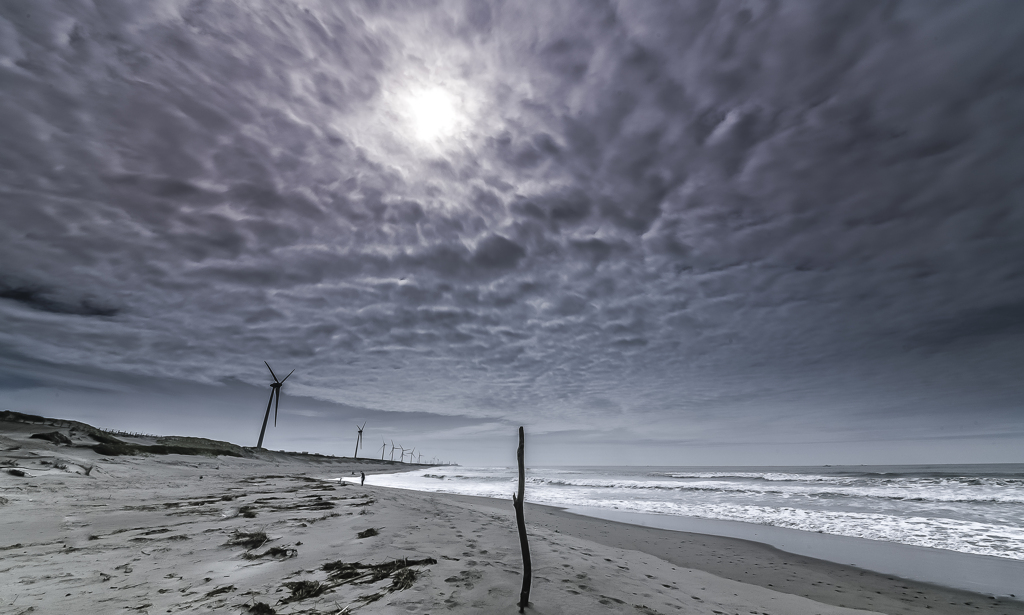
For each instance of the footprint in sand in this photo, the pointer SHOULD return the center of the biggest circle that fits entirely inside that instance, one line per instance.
(465, 578)
(451, 601)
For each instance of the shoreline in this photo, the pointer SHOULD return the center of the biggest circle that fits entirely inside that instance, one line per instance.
(987, 575)
(761, 564)
(980, 574)
(198, 534)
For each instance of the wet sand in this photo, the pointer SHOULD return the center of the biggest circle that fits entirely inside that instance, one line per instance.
(765, 566)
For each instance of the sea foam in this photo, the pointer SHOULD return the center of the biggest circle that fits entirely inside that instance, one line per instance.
(970, 509)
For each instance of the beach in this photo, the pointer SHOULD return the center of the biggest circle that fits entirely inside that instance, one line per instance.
(167, 533)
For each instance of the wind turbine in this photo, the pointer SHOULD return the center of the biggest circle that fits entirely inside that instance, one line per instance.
(412, 454)
(275, 390)
(359, 439)
(402, 458)
(383, 446)
(392, 450)
(419, 458)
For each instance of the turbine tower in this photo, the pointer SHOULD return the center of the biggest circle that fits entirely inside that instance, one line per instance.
(275, 391)
(359, 439)
(392, 450)
(383, 446)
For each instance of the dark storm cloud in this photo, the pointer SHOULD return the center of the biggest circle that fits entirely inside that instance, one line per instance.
(40, 299)
(649, 216)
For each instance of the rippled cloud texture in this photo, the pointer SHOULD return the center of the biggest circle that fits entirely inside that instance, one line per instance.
(641, 229)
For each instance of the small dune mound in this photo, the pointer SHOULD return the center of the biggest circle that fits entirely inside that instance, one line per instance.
(52, 436)
(112, 447)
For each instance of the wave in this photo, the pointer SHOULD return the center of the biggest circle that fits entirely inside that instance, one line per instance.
(1010, 481)
(970, 514)
(966, 537)
(997, 493)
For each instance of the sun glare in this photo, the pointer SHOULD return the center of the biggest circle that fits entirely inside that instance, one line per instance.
(434, 114)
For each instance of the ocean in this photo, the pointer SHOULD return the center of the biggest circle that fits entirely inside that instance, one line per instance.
(976, 509)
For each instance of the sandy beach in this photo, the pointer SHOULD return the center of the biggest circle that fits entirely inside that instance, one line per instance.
(151, 533)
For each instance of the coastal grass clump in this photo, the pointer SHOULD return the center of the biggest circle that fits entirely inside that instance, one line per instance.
(403, 579)
(276, 552)
(249, 540)
(358, 572)
(400, 571)
(367, 533)
(302, 590)
(261, 608)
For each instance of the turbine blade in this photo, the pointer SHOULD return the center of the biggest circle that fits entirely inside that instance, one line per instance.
(286, 377)
(271, 371)
(276, 404)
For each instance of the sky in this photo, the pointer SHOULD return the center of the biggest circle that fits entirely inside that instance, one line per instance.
(654, 233)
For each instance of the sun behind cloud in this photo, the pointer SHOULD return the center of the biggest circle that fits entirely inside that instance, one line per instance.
(435, 114)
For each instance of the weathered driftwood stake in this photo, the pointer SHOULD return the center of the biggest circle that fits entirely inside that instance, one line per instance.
(517, 503)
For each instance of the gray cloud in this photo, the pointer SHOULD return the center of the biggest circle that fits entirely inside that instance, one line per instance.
(997, 320)
(40, 299)
(655, 219)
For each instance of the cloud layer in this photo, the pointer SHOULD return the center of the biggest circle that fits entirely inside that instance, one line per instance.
(710, 222)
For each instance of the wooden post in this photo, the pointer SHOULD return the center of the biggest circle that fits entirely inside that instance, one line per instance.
(517, 503)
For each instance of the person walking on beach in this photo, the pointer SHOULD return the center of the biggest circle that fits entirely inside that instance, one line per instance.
(362, 478)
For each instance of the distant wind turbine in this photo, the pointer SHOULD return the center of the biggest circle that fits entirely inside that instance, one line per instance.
(383, 446)
(402, 457)
(275, 391)
(419, 458)
(359, 439)
(392, 450)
